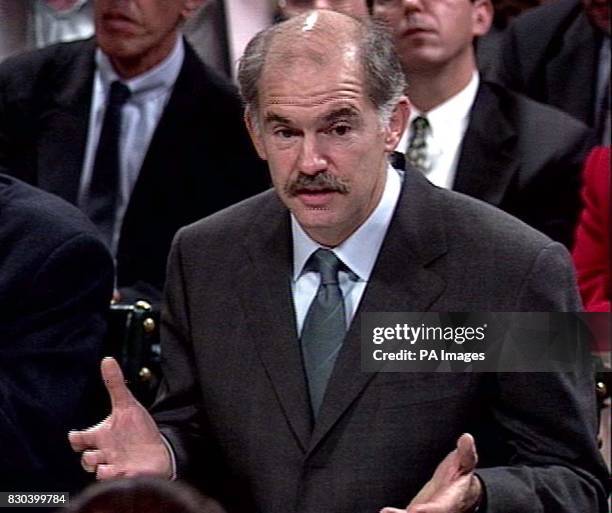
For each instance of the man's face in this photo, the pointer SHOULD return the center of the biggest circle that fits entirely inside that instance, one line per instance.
(598, 12)
(355, 8)
(139, 30)
(324, 142)
(432, 33)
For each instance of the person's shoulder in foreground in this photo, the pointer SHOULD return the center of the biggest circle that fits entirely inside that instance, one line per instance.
(56, 281)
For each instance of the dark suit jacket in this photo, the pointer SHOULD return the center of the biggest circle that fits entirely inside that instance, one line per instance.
(199, 160)
(56, 281)
(525, 158)
(235, 407)
(550, 53)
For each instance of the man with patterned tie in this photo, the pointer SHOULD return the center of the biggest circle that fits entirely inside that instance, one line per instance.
(265, 405)
(474, 136)
(133, 128)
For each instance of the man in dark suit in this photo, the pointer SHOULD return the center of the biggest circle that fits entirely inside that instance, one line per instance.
(265, 404)
(477, 137)
(180, 149)
(559, 54)
(56, 281)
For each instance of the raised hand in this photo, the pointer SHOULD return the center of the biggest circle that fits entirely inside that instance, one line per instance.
(127, 443)
(453, 488)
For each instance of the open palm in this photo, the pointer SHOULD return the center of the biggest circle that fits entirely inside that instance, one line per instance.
(127, 442)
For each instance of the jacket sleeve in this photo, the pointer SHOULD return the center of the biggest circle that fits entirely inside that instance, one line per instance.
(177, 408)
(49, 356)
(545, 422)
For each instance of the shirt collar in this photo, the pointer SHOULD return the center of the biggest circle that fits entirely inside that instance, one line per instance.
(78, 4)
(153, 82)
(450, 114)
(369, 235)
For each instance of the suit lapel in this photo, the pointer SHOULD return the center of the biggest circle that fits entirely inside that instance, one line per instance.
(400, 282)
(271, 317)
(486, 162)
(64, 128)
(574, 69)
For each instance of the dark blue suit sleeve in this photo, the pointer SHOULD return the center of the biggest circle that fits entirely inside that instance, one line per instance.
(50, 347)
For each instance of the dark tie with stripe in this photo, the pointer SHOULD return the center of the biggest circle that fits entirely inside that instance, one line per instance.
(104, 187)
(416, 153)
(324, 326)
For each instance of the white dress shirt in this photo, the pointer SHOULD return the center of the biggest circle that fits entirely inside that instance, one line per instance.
(139, 119)
(448, 123)
(351, 252)
(53, 25)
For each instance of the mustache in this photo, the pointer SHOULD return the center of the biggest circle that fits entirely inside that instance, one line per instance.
(314, 183)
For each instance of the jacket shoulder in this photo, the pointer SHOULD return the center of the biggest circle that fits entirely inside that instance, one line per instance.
(486, 225)
(205, 80)
(41, 70)
(495, 262)
(235, 222)
(542, 21)
(57, 55)
(535, 121)
(38, 214)
(472, 227)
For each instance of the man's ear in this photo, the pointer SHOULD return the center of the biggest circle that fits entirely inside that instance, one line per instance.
(397, 124)
(190, 7)
(482, 17)
(250, 120)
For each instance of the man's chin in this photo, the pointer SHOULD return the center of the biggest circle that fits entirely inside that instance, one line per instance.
(314, 217)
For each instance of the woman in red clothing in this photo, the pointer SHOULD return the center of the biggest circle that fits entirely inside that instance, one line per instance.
(592, 247)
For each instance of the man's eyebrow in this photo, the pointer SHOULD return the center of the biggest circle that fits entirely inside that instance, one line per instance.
(271, 117)
(344, 112)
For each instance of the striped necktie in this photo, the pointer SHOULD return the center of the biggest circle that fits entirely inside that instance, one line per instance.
(416, 153)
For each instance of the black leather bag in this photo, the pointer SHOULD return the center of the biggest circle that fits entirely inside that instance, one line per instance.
(133, 340)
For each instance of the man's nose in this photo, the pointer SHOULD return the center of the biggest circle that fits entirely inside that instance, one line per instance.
(412, 5)
(311, 158)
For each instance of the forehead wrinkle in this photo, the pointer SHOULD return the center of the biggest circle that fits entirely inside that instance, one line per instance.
(300, 92)
(314, 53)
(341, 111)
(308, 100)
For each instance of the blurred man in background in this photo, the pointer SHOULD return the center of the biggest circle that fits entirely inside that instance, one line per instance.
(133, 128)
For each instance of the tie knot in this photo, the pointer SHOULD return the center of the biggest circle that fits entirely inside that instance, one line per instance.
(119, 93)
(416, 153)
(327, 264)
(420, 125)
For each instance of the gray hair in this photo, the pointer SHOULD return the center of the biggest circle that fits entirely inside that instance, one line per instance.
(383, 75)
